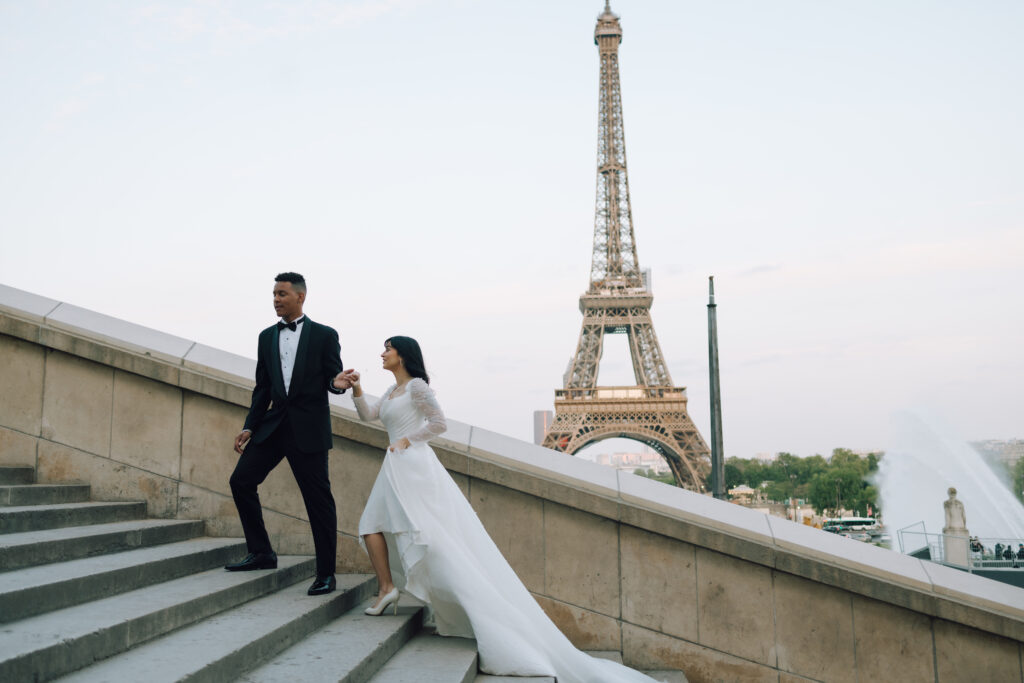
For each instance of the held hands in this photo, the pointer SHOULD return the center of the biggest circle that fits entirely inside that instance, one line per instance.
(400, 445)
(346, 379)
(241, 440)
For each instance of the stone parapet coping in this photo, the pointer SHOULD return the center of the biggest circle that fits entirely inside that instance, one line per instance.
(700, 520)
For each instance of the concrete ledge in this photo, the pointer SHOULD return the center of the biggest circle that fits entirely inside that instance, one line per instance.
(25, 305)
(675, 513)
(575, 511)
(965, 597)
(834, 549)
(238, 392)
(507, 474)
(458, 436)
(18, 328)
(106, 354)
(118, 333)
(543, 462)
(221, 364)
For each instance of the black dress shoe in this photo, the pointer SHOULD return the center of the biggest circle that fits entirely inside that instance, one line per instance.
(322, 586)
(254, 561)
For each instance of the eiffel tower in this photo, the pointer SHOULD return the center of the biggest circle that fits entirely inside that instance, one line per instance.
(618, 301)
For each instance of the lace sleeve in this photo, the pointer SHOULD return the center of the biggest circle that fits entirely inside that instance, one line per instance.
(368, 413)
(423, 398)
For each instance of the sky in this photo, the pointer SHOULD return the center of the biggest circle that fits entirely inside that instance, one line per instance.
(852, 174)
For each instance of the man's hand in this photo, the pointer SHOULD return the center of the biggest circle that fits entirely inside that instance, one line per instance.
(347, 379)
(344, 379)
(241, 440)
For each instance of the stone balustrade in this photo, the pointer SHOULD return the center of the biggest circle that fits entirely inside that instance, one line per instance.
(671, 578)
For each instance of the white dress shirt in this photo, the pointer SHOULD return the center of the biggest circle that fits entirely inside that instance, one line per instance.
(288, 346)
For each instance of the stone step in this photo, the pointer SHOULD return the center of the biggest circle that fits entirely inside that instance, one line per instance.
(221, 647)
(44, 647)
(661, 676)
(669, 676)
(39, 517)
(613, 655)
(43, 494)
(36, 590)
(350, 649)
(33, 548)
(17, 474)
(431, 658)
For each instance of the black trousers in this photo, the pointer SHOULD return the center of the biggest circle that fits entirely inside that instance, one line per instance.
(310, 470)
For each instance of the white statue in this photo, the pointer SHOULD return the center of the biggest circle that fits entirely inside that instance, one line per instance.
(955, 516)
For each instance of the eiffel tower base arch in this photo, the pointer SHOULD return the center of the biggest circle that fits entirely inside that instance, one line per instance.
(655, 416)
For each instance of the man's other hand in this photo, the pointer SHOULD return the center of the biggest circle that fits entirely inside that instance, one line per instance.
(241, 440)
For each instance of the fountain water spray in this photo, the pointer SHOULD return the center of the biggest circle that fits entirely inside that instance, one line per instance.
(924, 459)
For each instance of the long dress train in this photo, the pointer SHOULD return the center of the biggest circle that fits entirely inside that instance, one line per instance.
(446, 558)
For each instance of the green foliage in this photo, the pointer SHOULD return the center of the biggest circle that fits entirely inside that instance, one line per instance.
(733, 475)
(1017, 480)
(841, 481)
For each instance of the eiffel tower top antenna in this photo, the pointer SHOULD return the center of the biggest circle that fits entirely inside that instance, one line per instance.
(614, 264)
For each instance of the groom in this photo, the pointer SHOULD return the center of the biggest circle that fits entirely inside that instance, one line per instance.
(296, 365)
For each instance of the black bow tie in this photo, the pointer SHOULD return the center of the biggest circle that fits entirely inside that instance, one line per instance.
(291, 326)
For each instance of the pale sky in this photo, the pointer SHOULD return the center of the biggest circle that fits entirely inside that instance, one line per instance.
(850, 172)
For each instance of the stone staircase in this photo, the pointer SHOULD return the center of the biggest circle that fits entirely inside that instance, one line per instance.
(95, 591)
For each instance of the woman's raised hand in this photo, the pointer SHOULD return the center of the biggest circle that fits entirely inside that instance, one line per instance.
(346, 379)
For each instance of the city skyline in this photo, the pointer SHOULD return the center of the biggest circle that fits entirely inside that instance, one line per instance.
(847, 174)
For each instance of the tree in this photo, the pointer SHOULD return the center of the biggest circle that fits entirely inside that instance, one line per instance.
(733, 475)
(842, 487)
(1017, 480)
(813, 478)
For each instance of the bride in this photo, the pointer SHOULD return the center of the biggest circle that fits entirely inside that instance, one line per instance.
(418, 515)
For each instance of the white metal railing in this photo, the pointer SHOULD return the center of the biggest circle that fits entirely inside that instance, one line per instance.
(981, 552)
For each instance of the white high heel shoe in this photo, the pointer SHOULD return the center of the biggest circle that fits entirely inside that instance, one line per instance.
(391, 598)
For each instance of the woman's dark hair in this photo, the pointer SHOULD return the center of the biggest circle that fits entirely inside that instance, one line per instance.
(412, 358)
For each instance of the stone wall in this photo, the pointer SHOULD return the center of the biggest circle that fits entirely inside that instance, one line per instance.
(670, 578)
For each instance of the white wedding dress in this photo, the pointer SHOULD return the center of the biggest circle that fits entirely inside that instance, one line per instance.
(441, 554)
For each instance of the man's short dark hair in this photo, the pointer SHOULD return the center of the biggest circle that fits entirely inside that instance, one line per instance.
(298, 282)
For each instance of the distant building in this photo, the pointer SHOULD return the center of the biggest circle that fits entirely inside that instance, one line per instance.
(541, 422)
(795, 509)
(742, 494)
(648, 460)
(1008, 452)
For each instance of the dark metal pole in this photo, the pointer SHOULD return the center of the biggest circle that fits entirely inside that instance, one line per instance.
(717, 458)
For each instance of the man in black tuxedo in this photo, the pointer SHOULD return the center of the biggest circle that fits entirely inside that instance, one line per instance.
(297, 363)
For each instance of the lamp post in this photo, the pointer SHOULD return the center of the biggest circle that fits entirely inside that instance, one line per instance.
(717, 458)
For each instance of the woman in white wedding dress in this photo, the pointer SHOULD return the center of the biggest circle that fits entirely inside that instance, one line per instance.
(417, 515)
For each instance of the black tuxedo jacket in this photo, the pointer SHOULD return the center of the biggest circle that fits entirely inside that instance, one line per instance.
(317, 361)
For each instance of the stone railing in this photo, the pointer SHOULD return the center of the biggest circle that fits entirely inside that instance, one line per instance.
(671, 578)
